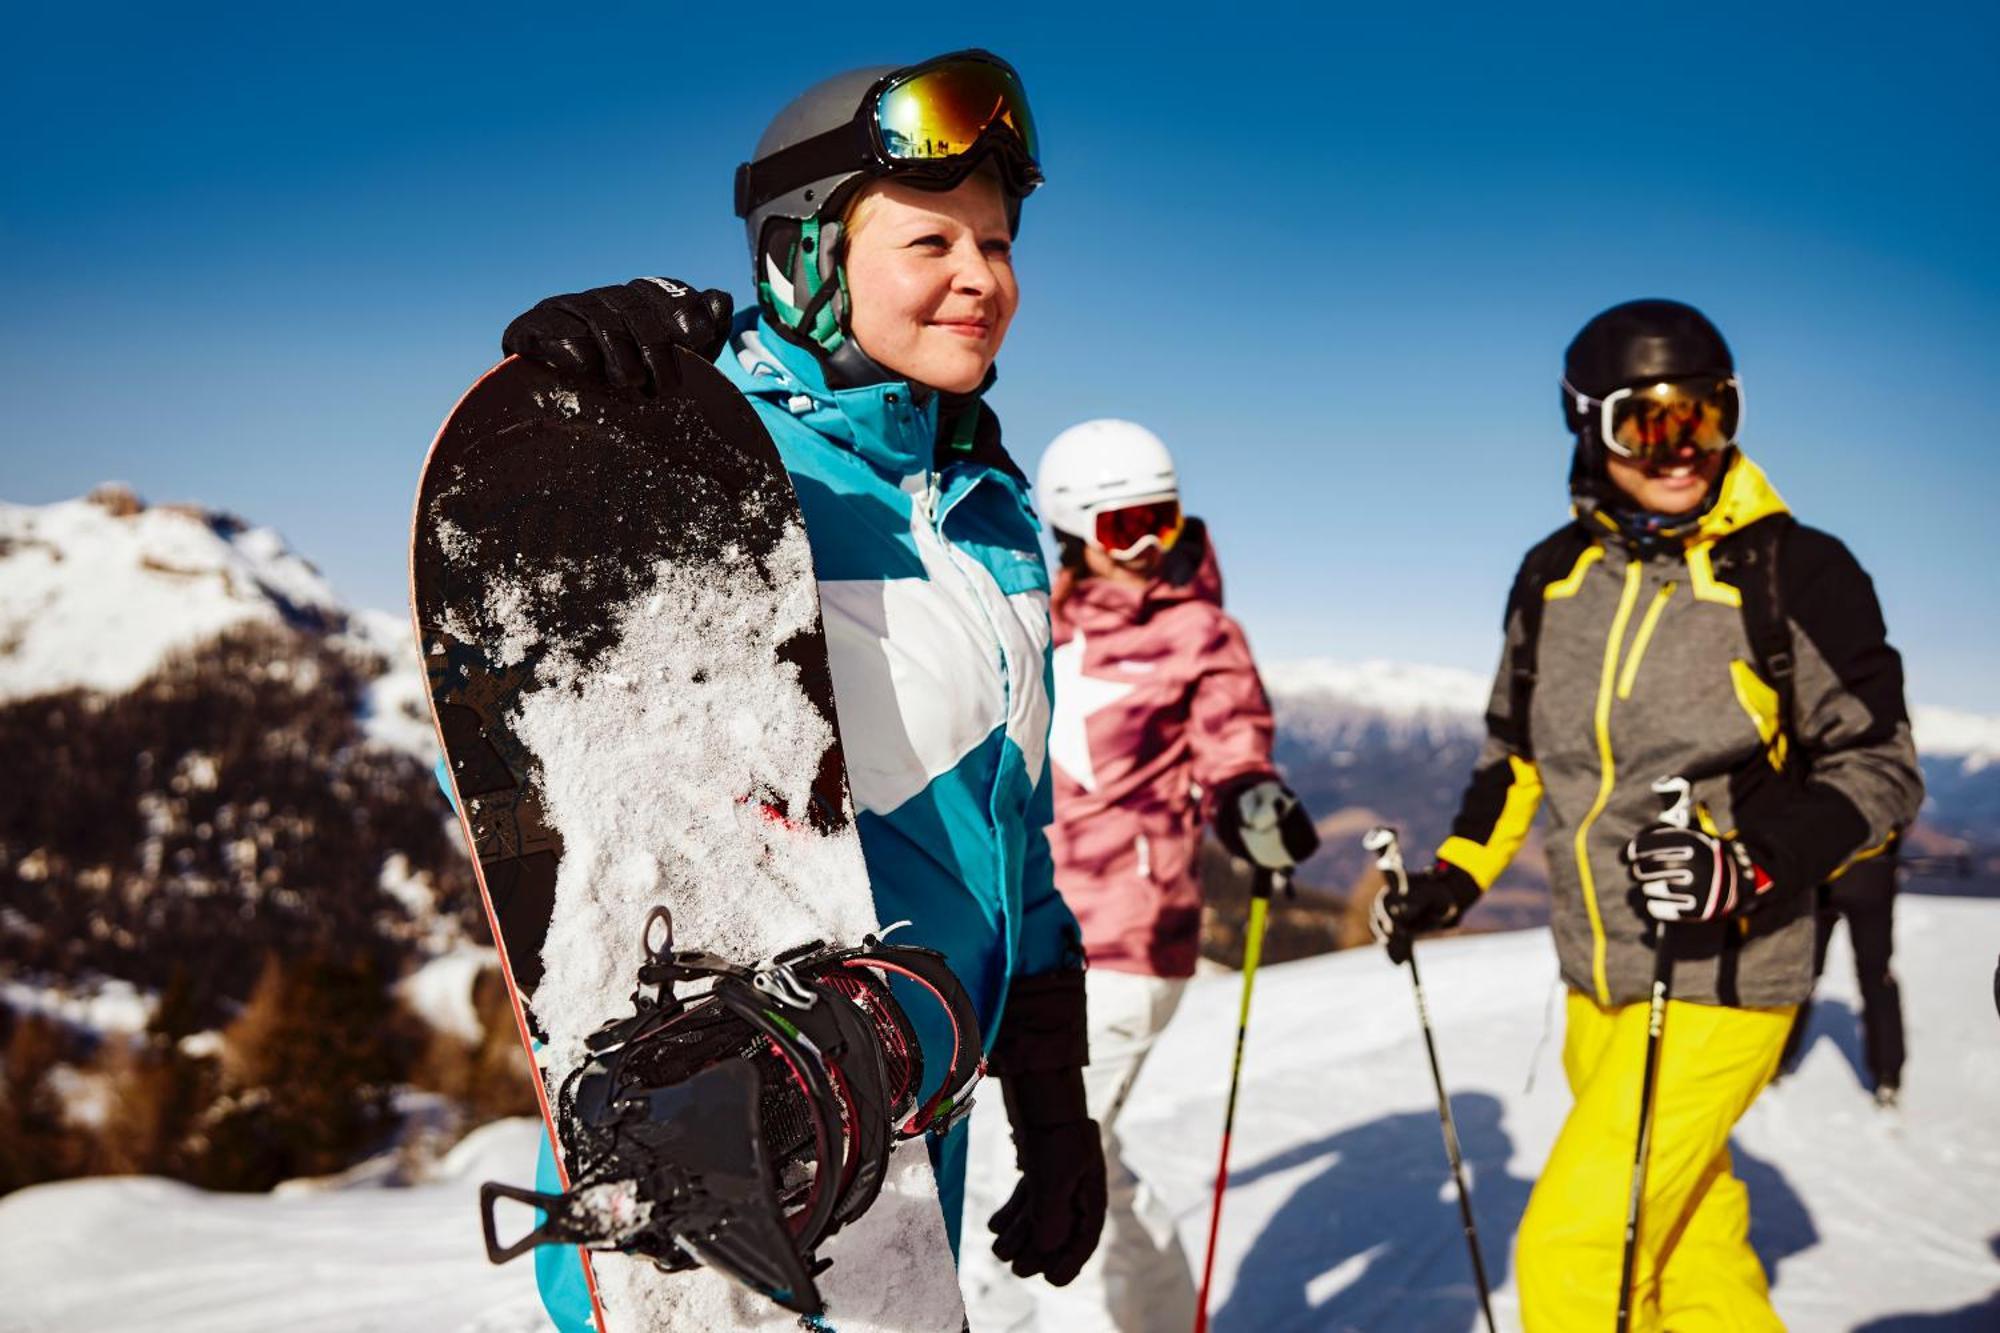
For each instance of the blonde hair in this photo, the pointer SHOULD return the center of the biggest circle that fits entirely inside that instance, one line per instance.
(860, 208)
(862, 205)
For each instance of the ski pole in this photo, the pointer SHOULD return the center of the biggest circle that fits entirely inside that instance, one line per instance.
(1389, 857)
(1253, 949)
(1680, 814)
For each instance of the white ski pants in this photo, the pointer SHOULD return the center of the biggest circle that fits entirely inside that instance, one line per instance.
(1139, 1279)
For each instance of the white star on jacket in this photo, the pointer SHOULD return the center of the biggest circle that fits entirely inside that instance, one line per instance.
(1077, 697)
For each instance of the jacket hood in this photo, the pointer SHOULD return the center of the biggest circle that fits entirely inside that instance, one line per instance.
(885, 423)
(1190, 573)
(1746, 496)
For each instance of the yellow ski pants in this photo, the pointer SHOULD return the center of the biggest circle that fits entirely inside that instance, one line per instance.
(1696, 1271)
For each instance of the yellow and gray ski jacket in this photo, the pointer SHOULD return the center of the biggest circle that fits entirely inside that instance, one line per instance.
(1621, 667)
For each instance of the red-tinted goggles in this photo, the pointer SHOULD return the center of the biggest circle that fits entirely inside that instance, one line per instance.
(1124, 533)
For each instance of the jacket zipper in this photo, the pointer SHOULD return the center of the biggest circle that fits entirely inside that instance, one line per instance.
(1644, 637)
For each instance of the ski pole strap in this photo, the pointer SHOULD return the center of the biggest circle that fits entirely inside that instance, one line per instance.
(1264, 883)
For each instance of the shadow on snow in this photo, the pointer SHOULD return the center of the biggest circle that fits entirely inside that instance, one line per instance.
(1374, 1240)
(1836, 1021)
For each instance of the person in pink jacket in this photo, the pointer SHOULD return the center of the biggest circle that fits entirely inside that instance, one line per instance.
(1160, 725)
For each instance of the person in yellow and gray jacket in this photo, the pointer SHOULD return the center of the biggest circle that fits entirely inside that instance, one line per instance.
(1682, 625)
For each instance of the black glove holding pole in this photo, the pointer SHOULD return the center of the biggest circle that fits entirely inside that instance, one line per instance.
(1051, 1223)
(623, 335)
(1412, 905)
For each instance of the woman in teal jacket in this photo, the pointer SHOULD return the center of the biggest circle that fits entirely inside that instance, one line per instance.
(881, 207)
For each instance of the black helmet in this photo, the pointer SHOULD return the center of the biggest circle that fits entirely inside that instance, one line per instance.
(1625, 348)
(1635, 342)
(829, 141)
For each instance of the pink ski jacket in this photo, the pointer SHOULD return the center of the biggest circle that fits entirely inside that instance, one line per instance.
(1157, 704)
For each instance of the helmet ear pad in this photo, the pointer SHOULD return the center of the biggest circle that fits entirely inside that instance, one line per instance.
(1587, 475)
(802, 280)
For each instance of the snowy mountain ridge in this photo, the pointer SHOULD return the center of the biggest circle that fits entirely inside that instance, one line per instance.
(1326, 699)
(95, 593)
(98, 590)
(1949, 733)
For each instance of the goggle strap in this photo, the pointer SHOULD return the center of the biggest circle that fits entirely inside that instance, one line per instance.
(842, 148)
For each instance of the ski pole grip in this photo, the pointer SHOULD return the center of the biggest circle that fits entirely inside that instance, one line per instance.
(1388, 849)
(1382, 841)
(1678, 793)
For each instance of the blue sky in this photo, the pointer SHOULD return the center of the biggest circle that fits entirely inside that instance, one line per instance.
(250, 257)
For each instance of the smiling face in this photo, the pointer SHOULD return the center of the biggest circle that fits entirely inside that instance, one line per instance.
(1677, 485)
(930, 280)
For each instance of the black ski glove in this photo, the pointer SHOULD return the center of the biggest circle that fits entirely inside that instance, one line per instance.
(1259, 820)
(1429, 900)
(1051, 1223)
(1682, 875)
(622, 335)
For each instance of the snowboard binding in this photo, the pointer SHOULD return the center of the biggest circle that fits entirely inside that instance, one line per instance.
(742, 1125)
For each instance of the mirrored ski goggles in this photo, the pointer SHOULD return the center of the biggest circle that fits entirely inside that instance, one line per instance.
(943, 108)
(1665, 418)
(932, 122)
(1124, 533)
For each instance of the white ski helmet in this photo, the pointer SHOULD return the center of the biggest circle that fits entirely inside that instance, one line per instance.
(1099, 466)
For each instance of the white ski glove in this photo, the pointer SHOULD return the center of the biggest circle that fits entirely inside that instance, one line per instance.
(1261, 821)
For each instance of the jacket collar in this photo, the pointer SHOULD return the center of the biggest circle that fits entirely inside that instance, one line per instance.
(1747, 495)
(883, 423)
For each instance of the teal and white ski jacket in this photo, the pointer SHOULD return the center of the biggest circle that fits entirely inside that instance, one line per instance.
(936, 604)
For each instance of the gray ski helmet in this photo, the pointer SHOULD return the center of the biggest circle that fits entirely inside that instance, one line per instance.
(1634, 342)
(795, 240)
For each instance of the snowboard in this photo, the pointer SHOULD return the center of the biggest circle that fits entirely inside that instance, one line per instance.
(615, 602)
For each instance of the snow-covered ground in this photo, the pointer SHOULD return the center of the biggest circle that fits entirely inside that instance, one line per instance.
(1340, 1217)
(154, 1255)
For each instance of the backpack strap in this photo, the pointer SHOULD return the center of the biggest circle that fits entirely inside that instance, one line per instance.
(1758, 556)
